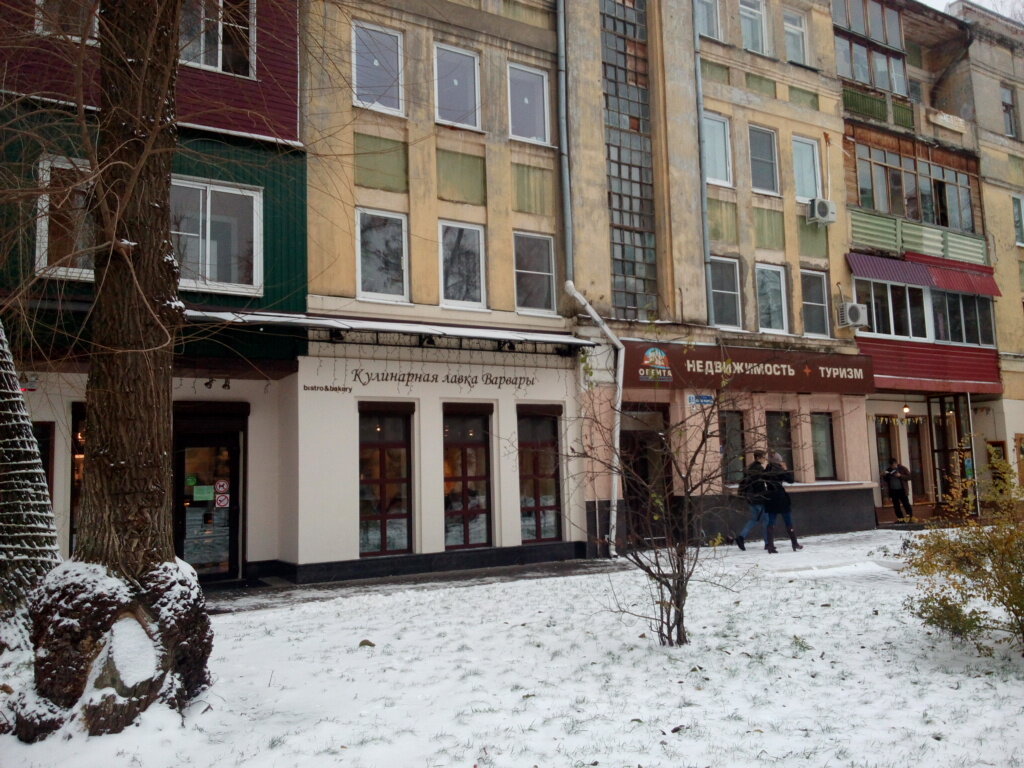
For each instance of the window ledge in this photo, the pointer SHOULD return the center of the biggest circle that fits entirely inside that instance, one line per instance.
(217, 70)
(532, 142)
(537, 312)
(464, 308)
(374, 107)
(808, 67)
(399, 302)
(461, 127)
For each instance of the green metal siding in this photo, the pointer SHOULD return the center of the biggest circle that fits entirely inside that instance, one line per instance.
(874, 231)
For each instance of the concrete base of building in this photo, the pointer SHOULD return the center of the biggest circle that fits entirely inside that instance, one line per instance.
(402, 565)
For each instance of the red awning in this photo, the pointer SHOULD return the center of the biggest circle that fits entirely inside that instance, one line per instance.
(958, 276)
(889, 270)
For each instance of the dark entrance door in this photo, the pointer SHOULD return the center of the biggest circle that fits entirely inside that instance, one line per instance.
(208, 491)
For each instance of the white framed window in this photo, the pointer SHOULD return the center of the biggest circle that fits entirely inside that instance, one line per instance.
(216, 230)
(724, 280)
(814, 287)
(377, 71)
(382, 270)
(535, 272)
(462, 264)
(771, 299)
(717, 150)
(806, 169)
(75, 19)
(764, 160)
(1018, 219)
(217, 234)
(528, 108)
(457, 86)
(707, 18)
(753, 24)
(795, 24)
(219, 34)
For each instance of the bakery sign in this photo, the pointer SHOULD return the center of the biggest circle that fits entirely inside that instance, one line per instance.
(650, 364)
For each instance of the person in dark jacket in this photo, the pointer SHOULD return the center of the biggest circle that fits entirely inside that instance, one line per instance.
(895, 480)
(754, 488)
(778, 503)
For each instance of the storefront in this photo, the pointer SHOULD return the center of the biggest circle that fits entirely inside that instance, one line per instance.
(728, 401)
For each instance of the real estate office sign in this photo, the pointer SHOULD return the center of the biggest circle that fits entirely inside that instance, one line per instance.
(695, 366)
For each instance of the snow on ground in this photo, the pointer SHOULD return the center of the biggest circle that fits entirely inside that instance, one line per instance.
(809, 662)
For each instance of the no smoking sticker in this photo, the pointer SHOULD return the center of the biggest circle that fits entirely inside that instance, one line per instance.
(223, 500)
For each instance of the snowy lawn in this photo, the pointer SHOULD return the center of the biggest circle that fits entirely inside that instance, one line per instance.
(811, 662)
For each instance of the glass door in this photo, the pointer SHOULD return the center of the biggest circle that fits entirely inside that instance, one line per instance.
(207, 503)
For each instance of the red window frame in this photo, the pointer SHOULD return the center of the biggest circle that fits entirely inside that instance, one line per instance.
(383, 479)
(467, 478)
(538, 469)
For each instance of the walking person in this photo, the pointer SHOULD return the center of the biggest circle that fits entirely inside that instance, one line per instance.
(778, 502)
(754, 488)
(895, 480)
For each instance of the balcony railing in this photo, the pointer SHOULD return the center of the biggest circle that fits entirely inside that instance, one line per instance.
(887, 108)
(890, 233)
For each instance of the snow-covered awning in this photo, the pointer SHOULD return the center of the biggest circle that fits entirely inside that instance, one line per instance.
(384, 326)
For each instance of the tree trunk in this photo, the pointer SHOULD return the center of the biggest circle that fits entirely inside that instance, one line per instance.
(126, 581)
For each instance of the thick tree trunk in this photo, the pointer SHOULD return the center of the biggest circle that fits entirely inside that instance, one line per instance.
(126, 585)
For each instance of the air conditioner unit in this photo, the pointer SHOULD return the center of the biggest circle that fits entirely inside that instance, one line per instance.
(821, 211)
(853, 315)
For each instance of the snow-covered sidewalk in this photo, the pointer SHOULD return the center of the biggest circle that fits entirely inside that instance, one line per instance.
(810, 662)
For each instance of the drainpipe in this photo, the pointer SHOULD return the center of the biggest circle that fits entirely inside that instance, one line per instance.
(563, 143)
(974, 459)
(705, 230)
(620, 363)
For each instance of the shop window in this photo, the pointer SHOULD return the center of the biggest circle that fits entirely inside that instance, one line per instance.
(457, 86)
(752, 23)
(795, 24)
(217, 34)
(528, 103)
(764, 162)
(815, 303)
(535, 272)
(730, 431)
(717, 152)
(806, 169)
(539, 492)
(385, 481)
(467, 479)
(725, 292)
(780, 435)
(771, 299)
(823, 446)
(377, 68)
(707, 18)
(1010, 125)
(462, 264)
(382, 255)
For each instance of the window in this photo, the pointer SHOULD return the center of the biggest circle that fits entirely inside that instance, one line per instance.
(73, 18)
(1018, 219)
(795, 24)
(752, 22)
(535, 273)
(914, 188)
(707, 18)
(894, 310)
(377, 69)
(216, 229)
(467, 477)
(764, 175)
(217, 34)
(962, 318)
(1009, 110)
(725, 292)
(900, 310)
(857, 60)
(806, 169)
(385, 480)
(823, 446)
(457, 86)
(462, 265)
(780, 435)
(382, 256)
(730, 431)
(528, 103)
(877, 23)
(815, 299)
(217, 233)
(717, 153)
(539, 496)
(771, 299)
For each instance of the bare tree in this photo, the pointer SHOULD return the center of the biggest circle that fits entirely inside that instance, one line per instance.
(124, 580)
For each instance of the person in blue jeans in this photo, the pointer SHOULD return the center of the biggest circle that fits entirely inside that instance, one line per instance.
(754, 487)
(778, 502)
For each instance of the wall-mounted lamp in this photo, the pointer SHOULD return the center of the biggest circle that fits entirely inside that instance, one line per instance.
(209, 383)
(226, 384)
(906, 409)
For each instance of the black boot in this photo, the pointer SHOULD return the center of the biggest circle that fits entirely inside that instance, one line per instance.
(792, 538)
(770, 542)
(739, 543)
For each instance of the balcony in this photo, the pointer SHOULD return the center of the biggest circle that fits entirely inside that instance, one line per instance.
(887, 108)
(890, 233)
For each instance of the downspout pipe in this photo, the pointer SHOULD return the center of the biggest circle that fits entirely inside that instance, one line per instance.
(699, 92)
(563, 143)
(620, 368)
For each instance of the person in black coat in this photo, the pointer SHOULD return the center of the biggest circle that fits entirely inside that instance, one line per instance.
(895, 480)
(778, 503)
